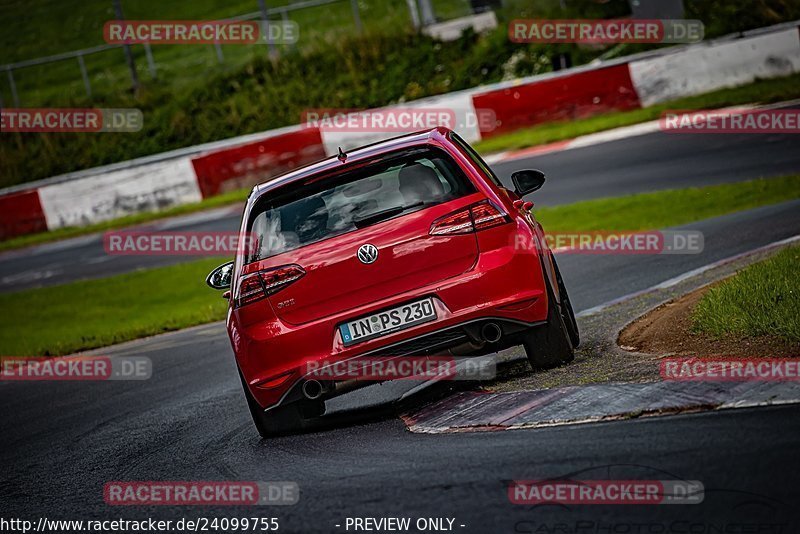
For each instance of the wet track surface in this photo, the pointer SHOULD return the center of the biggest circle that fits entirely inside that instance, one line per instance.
(638, 164)
(56, 463)
(60, 442)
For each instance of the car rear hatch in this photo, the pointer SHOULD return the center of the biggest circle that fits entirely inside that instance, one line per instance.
(391, 206)
(408, 258)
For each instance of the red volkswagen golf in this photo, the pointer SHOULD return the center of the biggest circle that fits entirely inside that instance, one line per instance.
(409, 247)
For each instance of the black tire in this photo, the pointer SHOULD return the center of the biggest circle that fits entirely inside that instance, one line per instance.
(567, 313)
(282, 420)
(549, 345)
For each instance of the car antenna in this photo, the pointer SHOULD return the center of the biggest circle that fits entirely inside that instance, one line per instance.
(342, 156)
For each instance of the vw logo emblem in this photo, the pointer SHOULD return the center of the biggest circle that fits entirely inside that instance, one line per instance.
(367, 253)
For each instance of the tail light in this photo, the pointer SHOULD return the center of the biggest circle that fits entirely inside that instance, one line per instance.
(473, 218)
(261, 284)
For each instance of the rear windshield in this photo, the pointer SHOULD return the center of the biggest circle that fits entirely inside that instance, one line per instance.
(392, 187)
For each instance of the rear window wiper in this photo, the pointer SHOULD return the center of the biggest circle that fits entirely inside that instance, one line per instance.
(372, 218)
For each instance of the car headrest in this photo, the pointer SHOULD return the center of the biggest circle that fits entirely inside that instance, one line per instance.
(308, 218)
(419, 182)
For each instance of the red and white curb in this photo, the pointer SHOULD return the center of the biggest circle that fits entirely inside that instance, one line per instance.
(476, 412)
(483, 411)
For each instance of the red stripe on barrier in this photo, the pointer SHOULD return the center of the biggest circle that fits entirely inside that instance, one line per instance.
(563, 98)
(21, 213)
(245, 165)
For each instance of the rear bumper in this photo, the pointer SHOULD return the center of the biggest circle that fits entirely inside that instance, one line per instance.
(433, 343)
(504, 286)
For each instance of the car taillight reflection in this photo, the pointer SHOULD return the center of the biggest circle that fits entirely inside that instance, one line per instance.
(261, 284)
(473, 218)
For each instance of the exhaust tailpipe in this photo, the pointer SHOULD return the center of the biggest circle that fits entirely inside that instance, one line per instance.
(312, 389)
(491, 332)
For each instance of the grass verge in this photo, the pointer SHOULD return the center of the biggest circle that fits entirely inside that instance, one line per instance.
(761, 300)
(762, 91)
(662, 209)
(95, 313)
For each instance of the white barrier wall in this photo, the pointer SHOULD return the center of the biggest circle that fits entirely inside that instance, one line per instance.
(116, 194)
(702, 67)
(460, 104)
(102, 194)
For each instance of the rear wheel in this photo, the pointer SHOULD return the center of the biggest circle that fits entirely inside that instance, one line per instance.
(566, 310)
(550, 345)
(281, 420)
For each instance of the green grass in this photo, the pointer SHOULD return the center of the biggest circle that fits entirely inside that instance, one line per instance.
(661, 209)
(225, 199)
(762, 91)
(262, 94)
(95, 313)
(26, 25)
(761, 300)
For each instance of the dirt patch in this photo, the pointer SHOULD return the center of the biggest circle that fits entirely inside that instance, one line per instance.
(667, 330)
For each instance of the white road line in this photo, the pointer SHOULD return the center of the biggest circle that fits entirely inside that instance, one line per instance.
(685, 276)
(616, 134)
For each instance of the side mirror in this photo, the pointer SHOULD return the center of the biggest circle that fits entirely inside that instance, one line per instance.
(526, 182)
(220, 278)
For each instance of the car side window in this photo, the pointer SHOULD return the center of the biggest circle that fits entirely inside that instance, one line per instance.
(476, 159)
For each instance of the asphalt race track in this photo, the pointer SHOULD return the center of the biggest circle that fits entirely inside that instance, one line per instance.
(59, 453)
(638, 164)
(63, 441)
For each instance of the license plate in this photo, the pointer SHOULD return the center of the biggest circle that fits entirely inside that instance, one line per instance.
(388, 321)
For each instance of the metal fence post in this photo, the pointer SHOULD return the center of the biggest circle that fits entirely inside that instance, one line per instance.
(13, 87)
(412, 9)
(220, 55)
(151, 64)
(357, 16)
(427, 13)
(85, 76)
(128, 51)
(262, 4)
